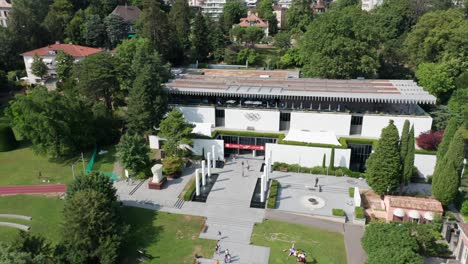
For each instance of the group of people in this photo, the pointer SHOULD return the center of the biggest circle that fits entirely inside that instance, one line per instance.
(227, 255)
(300, 255)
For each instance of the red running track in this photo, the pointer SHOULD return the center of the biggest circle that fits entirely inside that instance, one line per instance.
(29, 189)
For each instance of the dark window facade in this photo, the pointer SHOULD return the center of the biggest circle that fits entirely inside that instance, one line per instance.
(359, 154)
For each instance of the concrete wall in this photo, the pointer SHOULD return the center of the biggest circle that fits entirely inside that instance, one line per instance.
(306, 156)
(262, 120)
(200, 114)
(199, 144)
(338, 123)
(372, 124)
(425, 164)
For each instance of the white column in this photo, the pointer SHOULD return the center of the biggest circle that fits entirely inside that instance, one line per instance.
(262, 188)
(214, 157)
(266, 170)
(197, 183)
(203, 173)
(209, 164)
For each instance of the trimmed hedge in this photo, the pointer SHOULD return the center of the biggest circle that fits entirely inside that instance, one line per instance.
(359, 212)
(347, 141)
(7, 139)
(190, 190)
(351, 192)
(273, 194)
(305, 144)
(338, 212)
(425, 152)
(338, 171)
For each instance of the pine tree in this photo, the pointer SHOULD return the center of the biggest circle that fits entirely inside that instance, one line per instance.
(408, 163)
(324, 160)
(384, 165)
(179, 16)
(404, 140)
(200, 44)
(446, 178)
(448, 135)
(332, 159)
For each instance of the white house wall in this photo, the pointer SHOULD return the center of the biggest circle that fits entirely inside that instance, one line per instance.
(425, 164)
(306, 156)
(372, 124)
(267, 120)
(200, 144)
(338, 123)
(199, 114)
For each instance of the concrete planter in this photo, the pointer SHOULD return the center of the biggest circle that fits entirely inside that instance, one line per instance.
(339, 219)
(361, 222)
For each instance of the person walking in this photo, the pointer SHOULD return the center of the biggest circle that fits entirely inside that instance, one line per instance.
(316, 181)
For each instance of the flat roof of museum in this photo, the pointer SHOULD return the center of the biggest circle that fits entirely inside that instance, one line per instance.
(285, 84)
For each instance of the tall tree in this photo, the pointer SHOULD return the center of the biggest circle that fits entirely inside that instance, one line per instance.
(117, 30)
(75, 29)
(64, 63)
(92, 231)
(446, 178)
(95, 181)
(443, 147)
(176, 130)
(216, 40)
(153, 24)
(299, 16)
(332, 159)
(383, 172)
(133, 152)
(147, 100)
(233, 11)
(10, 48)
(60, 13)
(265, 11)
(180, 16)
(340, 44)
(404, 139)
(437, 79)
(97, 78)
(200, 44)
(94, 30)
(408, 162)
(38, 67)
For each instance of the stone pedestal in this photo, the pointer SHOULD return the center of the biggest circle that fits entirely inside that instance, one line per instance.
(156, 185)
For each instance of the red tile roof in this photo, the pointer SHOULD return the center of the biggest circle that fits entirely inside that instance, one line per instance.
(418, 203)
(74, 50)
(253, 20)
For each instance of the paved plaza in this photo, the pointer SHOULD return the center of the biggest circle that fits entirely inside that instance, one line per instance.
(229, 217)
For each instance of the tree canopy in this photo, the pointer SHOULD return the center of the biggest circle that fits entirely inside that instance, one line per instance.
(133, 152)
(176, 130)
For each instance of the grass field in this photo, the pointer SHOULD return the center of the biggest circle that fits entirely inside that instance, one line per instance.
(321, 246)
(168, 238)
(22, 166)
(46, 213)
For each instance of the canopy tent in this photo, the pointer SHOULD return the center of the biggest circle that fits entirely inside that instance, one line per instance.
(321, 137)
(414, 214)
(399, 212)
(429, 216)
(202, 129)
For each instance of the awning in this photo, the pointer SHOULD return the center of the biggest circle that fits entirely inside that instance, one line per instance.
(399, 212)
(321, 137)
(429, 216)
(414, 214)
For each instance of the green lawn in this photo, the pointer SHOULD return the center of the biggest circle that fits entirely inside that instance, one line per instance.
(105, 162)
(322, 246)
(46, 213)
(168, 238)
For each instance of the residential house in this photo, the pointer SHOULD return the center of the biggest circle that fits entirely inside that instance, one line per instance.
(368, 5)
(213, 8)
(318, 6)
(252, 20)
(280, 13)
(48, 54)
(129, 14)
(5, 9)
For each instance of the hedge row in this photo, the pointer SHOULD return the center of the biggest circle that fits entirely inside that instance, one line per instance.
(338, 171)
(425, 152)
(338, 212)
(273, 194)
(190, 190)
(305, 144)
(359, 212)
(7, 138)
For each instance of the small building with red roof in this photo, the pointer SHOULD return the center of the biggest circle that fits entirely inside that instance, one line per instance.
(252, 20)
(48, 54)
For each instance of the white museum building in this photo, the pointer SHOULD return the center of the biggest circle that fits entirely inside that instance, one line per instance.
(264, 104)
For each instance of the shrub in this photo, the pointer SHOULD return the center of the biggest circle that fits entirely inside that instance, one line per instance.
(273, 194)
(351, 192)
(338, 212)
(190, 190)
(7, 138)
(172, 165)
(359, 212)
(430, 140)
(464, 208)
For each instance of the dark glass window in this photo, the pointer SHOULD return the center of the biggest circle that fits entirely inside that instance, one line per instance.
(359, 155)
(219, 113)
(285, 117)
(356, 120)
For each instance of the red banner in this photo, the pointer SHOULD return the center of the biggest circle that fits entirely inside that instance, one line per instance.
(240, 146)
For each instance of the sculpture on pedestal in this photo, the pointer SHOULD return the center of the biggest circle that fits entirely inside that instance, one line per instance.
(158, 179)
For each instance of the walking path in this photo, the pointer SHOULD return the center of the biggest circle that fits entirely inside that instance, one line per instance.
(32, 189)
(352, 233)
